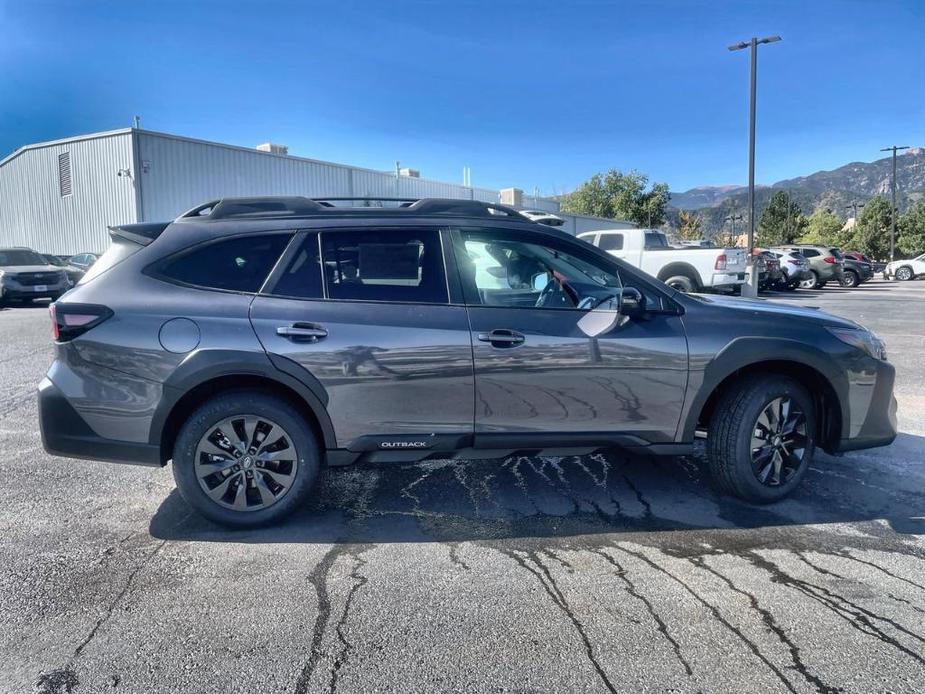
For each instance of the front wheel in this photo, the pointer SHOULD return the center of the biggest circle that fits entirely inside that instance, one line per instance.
(762, 438)
(904, 274)
(809, 282)
(245, 459)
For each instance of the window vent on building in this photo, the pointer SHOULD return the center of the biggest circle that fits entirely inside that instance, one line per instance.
(64, 174)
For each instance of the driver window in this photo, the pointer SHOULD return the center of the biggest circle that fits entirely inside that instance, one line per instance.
(512, 273)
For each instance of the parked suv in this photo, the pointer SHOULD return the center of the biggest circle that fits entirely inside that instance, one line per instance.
(826, 264)
(252, 341)
(855, 272)
(25, 275)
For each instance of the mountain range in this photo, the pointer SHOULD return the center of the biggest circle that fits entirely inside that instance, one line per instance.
(836, 190)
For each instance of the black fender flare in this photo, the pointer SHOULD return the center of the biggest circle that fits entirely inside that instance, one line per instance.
(744, 352)
(207, 365)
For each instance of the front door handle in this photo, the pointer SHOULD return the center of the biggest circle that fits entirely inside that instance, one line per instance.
(302, 332)
(502, 338)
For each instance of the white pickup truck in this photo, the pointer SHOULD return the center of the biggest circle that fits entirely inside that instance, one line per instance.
(685, 269)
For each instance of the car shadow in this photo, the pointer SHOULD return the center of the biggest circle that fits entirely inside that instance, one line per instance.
(544, 497)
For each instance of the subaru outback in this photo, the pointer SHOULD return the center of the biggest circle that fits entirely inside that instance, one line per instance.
(252, 341)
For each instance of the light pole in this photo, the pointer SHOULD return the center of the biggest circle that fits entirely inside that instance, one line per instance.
(751, 288)
(855, 206)
(733, 218)
(894, 148)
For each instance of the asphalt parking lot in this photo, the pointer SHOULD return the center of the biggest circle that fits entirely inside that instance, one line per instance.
(522, 575)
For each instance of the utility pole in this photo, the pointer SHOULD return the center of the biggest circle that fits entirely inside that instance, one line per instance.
(751, 287)
(894, 148)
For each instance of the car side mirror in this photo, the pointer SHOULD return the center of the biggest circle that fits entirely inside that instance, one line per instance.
(632, 302)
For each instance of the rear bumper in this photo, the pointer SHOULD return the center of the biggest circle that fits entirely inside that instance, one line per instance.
(727, 279)
(65, 433)
(878, 421)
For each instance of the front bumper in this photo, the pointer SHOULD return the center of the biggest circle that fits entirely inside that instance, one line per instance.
(65, 433)
(875, 424)
(15, 290)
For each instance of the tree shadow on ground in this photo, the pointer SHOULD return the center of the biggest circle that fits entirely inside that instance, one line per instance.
(544, 497)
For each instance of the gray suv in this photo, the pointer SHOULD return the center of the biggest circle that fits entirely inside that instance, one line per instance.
(252, 341)
(25, 275)
(826, 264)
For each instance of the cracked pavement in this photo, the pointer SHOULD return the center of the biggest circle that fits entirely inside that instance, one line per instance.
(596, 574)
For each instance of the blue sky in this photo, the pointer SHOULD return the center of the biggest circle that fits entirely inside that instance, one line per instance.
(525, 93)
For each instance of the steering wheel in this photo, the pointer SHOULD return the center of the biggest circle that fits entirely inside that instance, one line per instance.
(557, 285)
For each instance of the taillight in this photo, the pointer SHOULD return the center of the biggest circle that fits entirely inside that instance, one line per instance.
(794, 262)
(830, 259)
(720, 262)
(71, 320)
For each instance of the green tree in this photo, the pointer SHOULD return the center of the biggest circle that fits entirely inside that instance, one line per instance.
(690, 225)
(871, 235)
(822, 228)
(781, 222)
(910, 230)
(620, 196)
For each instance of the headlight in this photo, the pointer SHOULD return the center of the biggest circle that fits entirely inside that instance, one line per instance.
(4, 278)
(862, 339)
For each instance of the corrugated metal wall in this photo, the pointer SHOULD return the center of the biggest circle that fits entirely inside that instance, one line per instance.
(178, 174)
(33, 213)
(174, 174)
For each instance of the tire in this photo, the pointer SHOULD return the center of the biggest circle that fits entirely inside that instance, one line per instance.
(809, 283)
(904, 274)
(850, 279)
(741, 413)
(818, 283)
(286, 482)
(682, 283)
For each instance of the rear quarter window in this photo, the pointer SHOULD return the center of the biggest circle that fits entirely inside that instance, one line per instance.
(239, 264)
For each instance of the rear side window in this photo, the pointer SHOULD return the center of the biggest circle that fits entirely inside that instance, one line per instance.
(655, 240)
(384, 265)
(239, 264)
(611, 242)
(302, 277)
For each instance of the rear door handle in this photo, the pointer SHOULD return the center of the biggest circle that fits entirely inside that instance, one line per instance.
(302, 332)
(503, 338)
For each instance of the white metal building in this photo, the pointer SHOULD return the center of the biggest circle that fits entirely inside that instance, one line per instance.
(60, 196)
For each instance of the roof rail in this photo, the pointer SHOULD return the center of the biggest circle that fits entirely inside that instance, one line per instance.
(297, 206)
(264, 206)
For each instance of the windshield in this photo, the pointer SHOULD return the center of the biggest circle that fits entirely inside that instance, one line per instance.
(17, 256)
(52, 260)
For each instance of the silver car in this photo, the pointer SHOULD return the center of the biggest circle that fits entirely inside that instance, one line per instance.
(252, 341)
(25, 275)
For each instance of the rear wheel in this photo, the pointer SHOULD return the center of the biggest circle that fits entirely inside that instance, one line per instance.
(245, 459)
(904, 273)
(850, 279)
(762, 438)
(682, 283)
